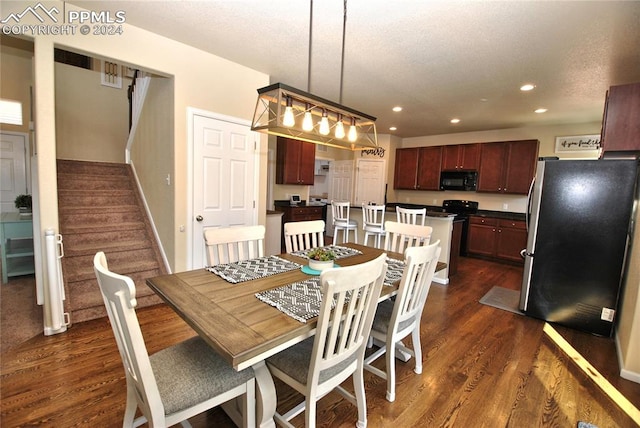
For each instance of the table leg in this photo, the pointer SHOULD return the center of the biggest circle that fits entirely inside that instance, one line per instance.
(266, 399)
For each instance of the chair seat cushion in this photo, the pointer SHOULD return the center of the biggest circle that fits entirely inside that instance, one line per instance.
(383, 318)
(295, 361)
(191, 372)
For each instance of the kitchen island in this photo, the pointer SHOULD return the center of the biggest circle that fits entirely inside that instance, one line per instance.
(443, 229)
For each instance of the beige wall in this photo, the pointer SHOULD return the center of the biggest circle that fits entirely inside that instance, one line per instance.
(152, 156)
(202, 81)
(92, 120)
(15, 61)
(545, 134)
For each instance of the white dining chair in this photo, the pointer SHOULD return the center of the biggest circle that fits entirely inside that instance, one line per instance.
(342, 222)
(175, 383)
(302, 235)
(321, 363)
(373, 223)
(411, 215)
(233, 244)
(400, 236)
(396, 320)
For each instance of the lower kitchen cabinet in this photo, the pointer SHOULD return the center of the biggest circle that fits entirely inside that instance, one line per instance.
(497, 238)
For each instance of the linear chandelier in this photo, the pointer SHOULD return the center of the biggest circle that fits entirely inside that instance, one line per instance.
(289, 112)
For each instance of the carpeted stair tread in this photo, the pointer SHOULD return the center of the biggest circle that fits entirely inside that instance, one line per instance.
(87, 167)
(90, 228)
(91, 248)
(98, 210)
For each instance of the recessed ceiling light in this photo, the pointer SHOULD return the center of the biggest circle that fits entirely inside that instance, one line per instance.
(393, 128)
(540, 110)
(397, 108)
(527, 87)
(455, 120)
(484, 100)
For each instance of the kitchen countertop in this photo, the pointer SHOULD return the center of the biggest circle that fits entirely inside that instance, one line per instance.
(434, 211)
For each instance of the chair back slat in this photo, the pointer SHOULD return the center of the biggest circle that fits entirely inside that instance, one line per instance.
(233, 244)
(400, 236)
(302, 235)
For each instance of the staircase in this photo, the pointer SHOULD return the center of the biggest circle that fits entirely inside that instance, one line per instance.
(100, 209)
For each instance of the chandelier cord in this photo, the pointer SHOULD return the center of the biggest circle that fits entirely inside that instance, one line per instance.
(310, 44)
(344, 30)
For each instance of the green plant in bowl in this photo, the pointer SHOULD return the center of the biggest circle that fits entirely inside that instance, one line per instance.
(321, 259)
(23, 201)
(321, 254)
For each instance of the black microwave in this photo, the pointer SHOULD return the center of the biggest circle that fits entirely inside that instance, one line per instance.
(458, 180)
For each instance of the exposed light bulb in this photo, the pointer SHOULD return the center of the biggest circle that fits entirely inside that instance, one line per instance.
(339, 127)
(288, 120)
(324, 124)
(353, 134)
(307, 122)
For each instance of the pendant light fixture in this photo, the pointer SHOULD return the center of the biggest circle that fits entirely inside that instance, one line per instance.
(289, 112)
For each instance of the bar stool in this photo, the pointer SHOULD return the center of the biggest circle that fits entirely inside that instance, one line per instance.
(373, 223)
(341, 221)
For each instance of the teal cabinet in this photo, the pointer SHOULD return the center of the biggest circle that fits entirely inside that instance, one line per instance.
(16, 235)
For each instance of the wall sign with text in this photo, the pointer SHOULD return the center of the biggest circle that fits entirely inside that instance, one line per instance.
(577, 143)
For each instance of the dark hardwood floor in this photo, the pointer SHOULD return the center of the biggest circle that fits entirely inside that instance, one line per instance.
(482, 367)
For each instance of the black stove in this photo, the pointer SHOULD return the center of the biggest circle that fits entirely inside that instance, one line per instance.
(462, 210)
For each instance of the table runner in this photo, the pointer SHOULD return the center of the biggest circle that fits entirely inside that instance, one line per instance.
(247, 270)
(340, 252)
(301, 300)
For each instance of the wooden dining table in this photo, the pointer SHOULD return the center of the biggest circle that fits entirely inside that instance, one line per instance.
(240, 327)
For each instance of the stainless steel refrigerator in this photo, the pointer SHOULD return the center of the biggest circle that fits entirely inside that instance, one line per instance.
(580, 217)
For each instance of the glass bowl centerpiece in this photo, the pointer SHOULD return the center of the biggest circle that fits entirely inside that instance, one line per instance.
(321, 259)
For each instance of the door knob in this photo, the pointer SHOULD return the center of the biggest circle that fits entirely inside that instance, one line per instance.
(199, 218)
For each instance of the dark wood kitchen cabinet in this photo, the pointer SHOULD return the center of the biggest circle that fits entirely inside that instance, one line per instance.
(507, 167)
(497, 238)
(461, 157)
(295, 161)
(418, 168)
(621, 120)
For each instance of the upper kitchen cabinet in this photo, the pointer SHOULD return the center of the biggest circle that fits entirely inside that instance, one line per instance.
(295, 161)
(418, 168)
(621, 120)
(507, 167)
(461, 157)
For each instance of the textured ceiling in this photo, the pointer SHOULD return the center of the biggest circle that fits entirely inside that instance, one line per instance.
(436, 59)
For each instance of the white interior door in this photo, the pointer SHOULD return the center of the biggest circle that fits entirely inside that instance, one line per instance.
(225, 171)
(341, 180)
(370, 181)
(13, 172)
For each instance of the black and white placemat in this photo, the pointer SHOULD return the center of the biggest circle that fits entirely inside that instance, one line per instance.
(247, 270)
(340, 252)
(300, 300)
(394, 271)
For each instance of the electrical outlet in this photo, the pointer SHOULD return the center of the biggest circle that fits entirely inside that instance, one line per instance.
(505, 206)
(435, 201)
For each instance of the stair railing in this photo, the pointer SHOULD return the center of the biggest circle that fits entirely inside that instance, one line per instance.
(136, 93)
